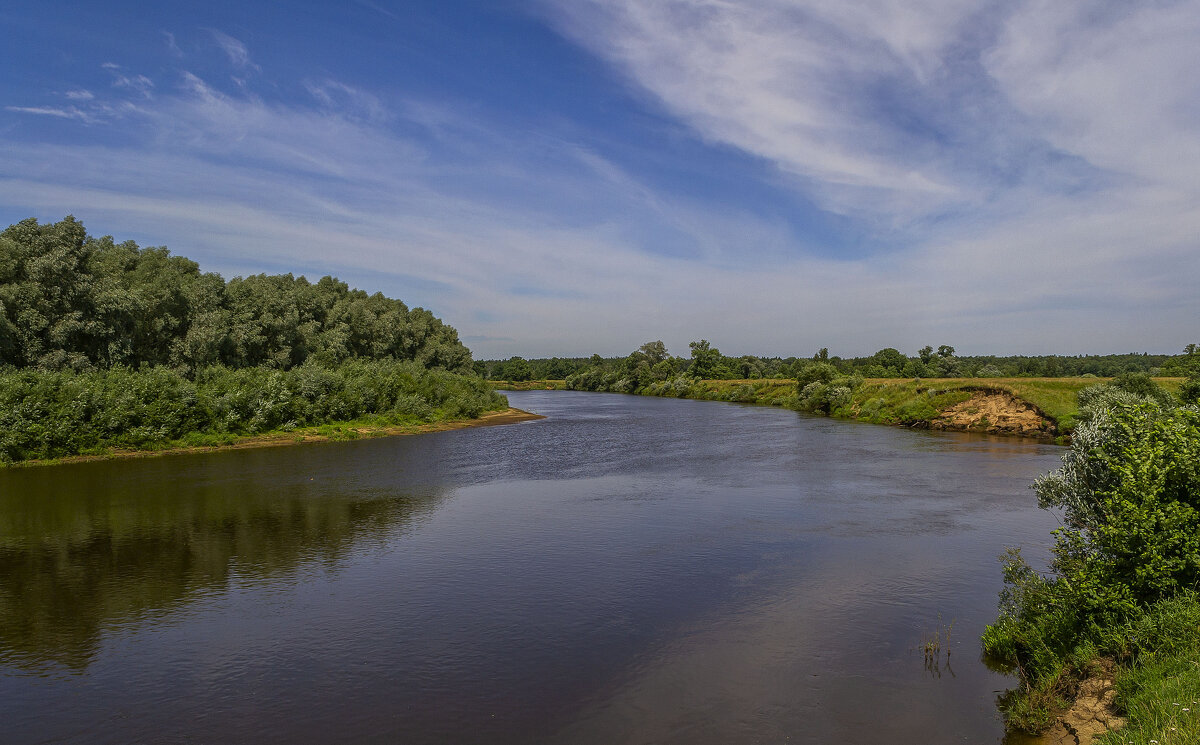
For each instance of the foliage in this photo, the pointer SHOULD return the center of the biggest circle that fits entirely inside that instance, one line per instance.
(886, 363)
(820, 390)
(1129, 494)
(707, 361)
(72, 302)
(54, 414)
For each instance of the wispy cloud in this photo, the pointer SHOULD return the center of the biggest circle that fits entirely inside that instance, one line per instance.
(70, 112)
(799, 84)
(172, 46)
(1030, 192)
(139, 84)
(346, 99)
(234, 49)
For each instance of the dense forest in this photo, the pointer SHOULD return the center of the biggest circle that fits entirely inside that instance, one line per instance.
(651, 363)
(72, 302)
(106, 344)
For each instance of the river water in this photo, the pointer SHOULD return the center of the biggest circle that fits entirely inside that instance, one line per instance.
(627, 570)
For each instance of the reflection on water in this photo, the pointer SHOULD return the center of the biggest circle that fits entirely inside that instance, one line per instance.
(83, 547)
(628, 570)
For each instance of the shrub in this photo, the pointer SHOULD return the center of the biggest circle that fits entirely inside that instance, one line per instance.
(55, 414)
(1129, 491)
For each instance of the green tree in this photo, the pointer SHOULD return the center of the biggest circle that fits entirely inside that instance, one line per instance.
(891, 360)
(517, 369)
(706, 360)
(654, 351)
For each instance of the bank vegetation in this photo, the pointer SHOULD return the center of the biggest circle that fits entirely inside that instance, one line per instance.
(105, 345)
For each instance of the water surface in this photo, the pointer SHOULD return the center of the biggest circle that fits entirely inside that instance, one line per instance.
(628, 570)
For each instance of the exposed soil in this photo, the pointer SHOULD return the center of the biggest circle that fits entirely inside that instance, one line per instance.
(995, 412)
(277, 439)
(1092, 715)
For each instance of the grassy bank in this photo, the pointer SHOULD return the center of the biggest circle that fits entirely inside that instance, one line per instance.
(1151, 655)
(363, 428)
(530, 385)
(909, 402)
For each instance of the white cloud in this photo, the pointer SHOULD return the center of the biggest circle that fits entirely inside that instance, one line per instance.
(787, 82)
(537, 245)
(172, 46)
(139, 84)
(59, 112)
(1116, 85)
(234, 49)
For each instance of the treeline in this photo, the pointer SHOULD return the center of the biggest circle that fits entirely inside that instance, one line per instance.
(105, 344)
(651, 363)
(72, 302)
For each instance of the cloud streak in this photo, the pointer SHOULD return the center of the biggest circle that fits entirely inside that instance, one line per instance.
(1024, 189)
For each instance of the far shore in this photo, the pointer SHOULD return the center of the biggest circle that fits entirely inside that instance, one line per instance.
(334, 432)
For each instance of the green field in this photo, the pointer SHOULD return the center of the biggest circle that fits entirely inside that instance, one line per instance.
(886, 400)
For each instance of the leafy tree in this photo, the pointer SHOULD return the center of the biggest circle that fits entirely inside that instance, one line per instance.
(945, 351)
(1189, 392)
(69, 301)
(926, 354)
(706, 360)
(815, 372)
(891, 360)
(654, 351)
(517, 369)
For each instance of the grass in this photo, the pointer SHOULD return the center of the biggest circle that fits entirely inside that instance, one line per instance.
(369, 426)
(1162, 702)
(529, 385)
(893, 400)
(1153, 655)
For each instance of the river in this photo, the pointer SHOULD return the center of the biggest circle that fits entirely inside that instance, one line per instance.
(627, 570)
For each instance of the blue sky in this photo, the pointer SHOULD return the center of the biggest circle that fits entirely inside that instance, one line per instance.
(562, 178)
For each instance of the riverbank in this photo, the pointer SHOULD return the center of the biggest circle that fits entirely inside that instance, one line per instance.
(1137, 683)
(333, 432)
(1043, 408)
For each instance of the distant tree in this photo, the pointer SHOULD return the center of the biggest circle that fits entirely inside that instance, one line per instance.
(655, 351)
(926, 354)
(945, 350)
(749, 367)
(517, 369)
(815, 372)
(891, 360)
(706, 360)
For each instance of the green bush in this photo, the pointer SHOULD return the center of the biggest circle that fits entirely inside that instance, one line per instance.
(55, 414)
(1129, 492)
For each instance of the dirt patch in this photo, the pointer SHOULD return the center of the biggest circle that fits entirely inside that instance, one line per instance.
(995, 412)
(1092, 715)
